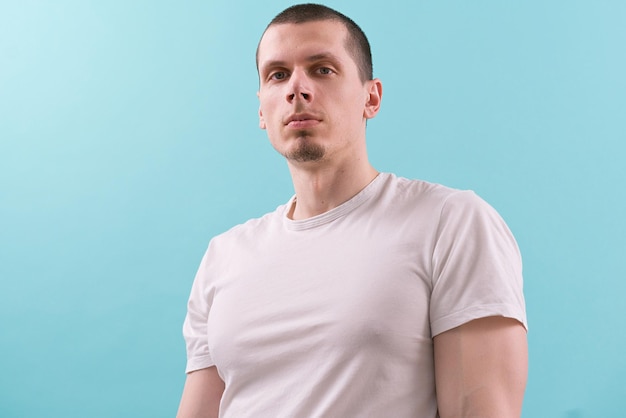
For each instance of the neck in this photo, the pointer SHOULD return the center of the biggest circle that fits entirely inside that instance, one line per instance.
(322, 188)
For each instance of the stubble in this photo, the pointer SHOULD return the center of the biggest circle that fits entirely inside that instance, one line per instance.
(305, 149)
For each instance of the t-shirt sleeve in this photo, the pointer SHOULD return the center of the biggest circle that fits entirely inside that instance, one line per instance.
(195, 329)
(477, 267)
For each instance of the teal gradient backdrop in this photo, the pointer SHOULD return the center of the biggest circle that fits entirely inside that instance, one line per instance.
(129, 137)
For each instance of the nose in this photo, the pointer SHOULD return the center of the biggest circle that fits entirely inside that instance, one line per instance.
(292, 96)
(299, 88)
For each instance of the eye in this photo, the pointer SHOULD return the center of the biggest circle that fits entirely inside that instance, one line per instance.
(278, 75)
(325, 70)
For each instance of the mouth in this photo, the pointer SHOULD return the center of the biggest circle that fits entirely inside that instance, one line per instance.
(302, 120)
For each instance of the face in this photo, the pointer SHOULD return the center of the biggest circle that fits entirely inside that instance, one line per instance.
(313, 103)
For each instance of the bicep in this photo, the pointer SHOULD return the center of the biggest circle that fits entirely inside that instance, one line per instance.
(481, 368)
(201, 395)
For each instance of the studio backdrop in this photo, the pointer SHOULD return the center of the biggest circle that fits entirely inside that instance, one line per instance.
(129, 137)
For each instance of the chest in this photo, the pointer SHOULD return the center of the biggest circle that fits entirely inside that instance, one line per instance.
(339, 293)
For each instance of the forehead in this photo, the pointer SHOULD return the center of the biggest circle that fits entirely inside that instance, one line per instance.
(287, 41)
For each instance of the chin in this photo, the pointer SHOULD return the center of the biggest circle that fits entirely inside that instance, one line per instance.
(306, 151)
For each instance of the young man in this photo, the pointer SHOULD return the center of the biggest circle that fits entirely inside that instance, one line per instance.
(366, 294)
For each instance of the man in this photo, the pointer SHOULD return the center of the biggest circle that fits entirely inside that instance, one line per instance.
(366, 295)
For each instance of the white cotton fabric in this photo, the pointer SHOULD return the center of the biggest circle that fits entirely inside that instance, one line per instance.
(334, 316)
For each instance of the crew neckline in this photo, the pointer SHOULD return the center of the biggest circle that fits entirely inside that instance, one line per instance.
(348, 206)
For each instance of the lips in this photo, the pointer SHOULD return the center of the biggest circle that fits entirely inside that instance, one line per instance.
(298, 120)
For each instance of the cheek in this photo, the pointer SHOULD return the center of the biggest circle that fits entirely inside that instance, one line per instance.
(268, 108)
(350, 98)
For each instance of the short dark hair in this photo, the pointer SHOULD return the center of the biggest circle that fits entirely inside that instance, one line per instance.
(356, 43)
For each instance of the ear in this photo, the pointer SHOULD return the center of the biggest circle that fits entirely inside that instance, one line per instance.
(261, 120)
(374, 98)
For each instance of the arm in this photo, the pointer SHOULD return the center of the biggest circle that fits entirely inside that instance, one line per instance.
(481, 369)
(201, 395)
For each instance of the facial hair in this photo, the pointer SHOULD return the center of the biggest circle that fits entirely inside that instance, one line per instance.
(305, 150)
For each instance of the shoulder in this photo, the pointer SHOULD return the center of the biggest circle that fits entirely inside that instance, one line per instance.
(251, 230)
(416, 186)
(422, 193)
(442, 210)
(234, 242)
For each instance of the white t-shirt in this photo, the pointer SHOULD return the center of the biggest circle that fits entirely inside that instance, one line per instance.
(333, 316)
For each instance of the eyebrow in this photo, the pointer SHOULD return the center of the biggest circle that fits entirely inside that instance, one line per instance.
(312, 58)
(322, 56)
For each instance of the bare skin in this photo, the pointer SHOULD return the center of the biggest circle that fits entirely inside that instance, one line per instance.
(307, 74)
(201, 395)
(481, 369)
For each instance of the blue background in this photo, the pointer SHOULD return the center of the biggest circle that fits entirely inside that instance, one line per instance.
(129, 137)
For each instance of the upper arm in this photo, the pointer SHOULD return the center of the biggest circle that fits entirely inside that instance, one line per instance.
(481, 369)
(201, 395)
